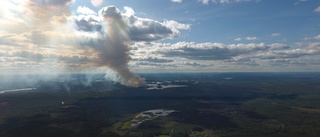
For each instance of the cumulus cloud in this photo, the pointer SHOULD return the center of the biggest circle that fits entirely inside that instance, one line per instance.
(215, 51)
(187, 55)
(96, 3)
(87, 20)
(129, 11)
(85, 10)
(174, 25)
(300, 1)
(312, 38)
(154, 59)
(285, 54)
(317, 37)
(317, 9)
(247, 38)
(251, 38)
(206, 2)
(139, 29)
(237, 39)
(144, 29)
(275, 34)
(30, 56)
(307, 38)
(177, 1)
(194, 64)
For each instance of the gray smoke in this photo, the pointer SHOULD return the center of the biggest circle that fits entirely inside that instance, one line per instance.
(116, 53)
(114, 48)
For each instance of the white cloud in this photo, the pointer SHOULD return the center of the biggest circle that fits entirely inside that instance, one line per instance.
(5, 10)
(211, 51)
(317, 37)
(193, 64)
(140, 29)
(176, 25)
(224, 1)
(177, 1)
(317, 9)
(144, 29)
(312, 38)
(275, 34)
(251, 38)
(96, 3)
(129, 11)
(85, 10)
(154, 59)
(300, 1)
(307, 38)
(215, 55)
(190, 56)
(87, 21)
(237, 39)
(206, 2)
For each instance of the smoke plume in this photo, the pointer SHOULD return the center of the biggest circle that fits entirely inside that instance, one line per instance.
(116, 47)
(112, 47)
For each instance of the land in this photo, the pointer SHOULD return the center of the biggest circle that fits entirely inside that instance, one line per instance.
(200, 104)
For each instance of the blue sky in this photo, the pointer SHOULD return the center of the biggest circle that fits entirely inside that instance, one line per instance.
(41, 36)
(223, 22)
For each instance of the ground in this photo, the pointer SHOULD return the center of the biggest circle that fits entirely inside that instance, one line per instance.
(249, 104)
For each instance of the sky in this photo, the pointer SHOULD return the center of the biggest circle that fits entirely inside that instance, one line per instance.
(137, 36)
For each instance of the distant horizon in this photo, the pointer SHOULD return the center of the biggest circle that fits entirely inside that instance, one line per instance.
(138, 73)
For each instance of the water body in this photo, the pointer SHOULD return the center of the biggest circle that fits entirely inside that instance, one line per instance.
(158, 86)
(149, 115)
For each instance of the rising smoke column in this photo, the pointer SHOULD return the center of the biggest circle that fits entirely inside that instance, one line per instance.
(115, 47)
(112, 47)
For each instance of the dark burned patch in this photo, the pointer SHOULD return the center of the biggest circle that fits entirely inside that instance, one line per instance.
(209, 120)
(283, 96)
(150, 124)
(30, 126)
(253, 115)
(198, 129)
(42, 125)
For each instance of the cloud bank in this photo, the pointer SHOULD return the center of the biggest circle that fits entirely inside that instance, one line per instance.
(210, 56)
(206, 2)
